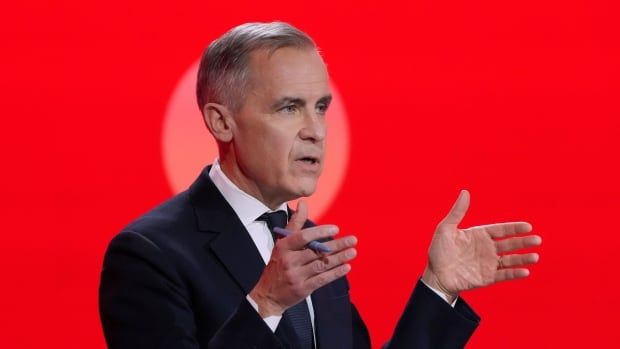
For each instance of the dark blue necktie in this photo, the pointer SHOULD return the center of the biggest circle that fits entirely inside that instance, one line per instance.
(298, 315)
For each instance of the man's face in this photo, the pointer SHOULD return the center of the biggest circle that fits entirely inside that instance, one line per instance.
(279, 132)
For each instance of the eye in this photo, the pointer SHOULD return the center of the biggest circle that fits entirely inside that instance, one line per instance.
(289, 109)
(321, 108)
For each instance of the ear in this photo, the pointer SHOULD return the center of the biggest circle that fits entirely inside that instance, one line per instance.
(219, 120)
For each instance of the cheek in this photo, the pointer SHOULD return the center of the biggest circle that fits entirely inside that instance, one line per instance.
(280, 145)
(271, 154)
(268, 147)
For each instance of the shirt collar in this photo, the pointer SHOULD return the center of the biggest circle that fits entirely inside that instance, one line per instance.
(247, 207)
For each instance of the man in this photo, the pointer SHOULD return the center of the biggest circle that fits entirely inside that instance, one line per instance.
(203, 270)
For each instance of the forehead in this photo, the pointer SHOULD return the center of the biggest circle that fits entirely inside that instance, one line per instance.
(298, 72)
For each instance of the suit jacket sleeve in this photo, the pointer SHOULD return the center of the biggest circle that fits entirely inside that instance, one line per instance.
(143, 304)
(430, 322)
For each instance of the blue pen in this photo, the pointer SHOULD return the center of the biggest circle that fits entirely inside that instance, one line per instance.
(314, 245)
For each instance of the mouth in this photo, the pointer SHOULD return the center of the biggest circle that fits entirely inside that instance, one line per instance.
(309, 160)
(309, 164)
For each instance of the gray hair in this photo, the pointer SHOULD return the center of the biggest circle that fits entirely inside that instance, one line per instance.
(223, 74)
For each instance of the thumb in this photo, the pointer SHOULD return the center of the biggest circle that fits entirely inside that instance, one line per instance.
(299, 217)
(458, 210)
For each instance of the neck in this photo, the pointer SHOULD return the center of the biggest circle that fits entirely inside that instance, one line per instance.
(235, 174)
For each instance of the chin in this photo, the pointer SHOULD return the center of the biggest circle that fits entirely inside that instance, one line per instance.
(306, 193)
(305, 187)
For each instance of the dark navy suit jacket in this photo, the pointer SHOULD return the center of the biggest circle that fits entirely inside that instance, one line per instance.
(178, 278)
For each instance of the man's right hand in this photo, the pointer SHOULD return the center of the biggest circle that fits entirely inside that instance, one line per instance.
(294, 271)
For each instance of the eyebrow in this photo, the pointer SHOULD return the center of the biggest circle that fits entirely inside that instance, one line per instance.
(326, 99)
(288, 100)
(299, 101)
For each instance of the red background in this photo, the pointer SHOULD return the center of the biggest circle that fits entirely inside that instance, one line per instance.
(517, 102)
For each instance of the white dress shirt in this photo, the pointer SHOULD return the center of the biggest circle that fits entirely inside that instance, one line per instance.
(248, 209)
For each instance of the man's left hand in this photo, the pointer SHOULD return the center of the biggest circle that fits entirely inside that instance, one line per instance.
(463, 259)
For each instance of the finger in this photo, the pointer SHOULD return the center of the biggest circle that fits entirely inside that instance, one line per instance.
(325, 263)
(299, 217)
(516, 243)
(456, 214)
(325, 278)
(299, 239)
(307, 255)
(500, 230)
(517, 260)
(342, 243)
(511, 274)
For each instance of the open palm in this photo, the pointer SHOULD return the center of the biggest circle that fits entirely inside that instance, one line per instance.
(463, 259)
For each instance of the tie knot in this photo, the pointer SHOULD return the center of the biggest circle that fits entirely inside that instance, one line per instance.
(274, 219)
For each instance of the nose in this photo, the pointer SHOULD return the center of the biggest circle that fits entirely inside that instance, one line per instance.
(314, 128)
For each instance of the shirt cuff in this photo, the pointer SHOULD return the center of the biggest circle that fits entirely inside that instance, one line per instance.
(271, 321)
(437, 292)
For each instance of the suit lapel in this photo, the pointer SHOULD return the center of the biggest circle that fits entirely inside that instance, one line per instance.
(232, 245)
